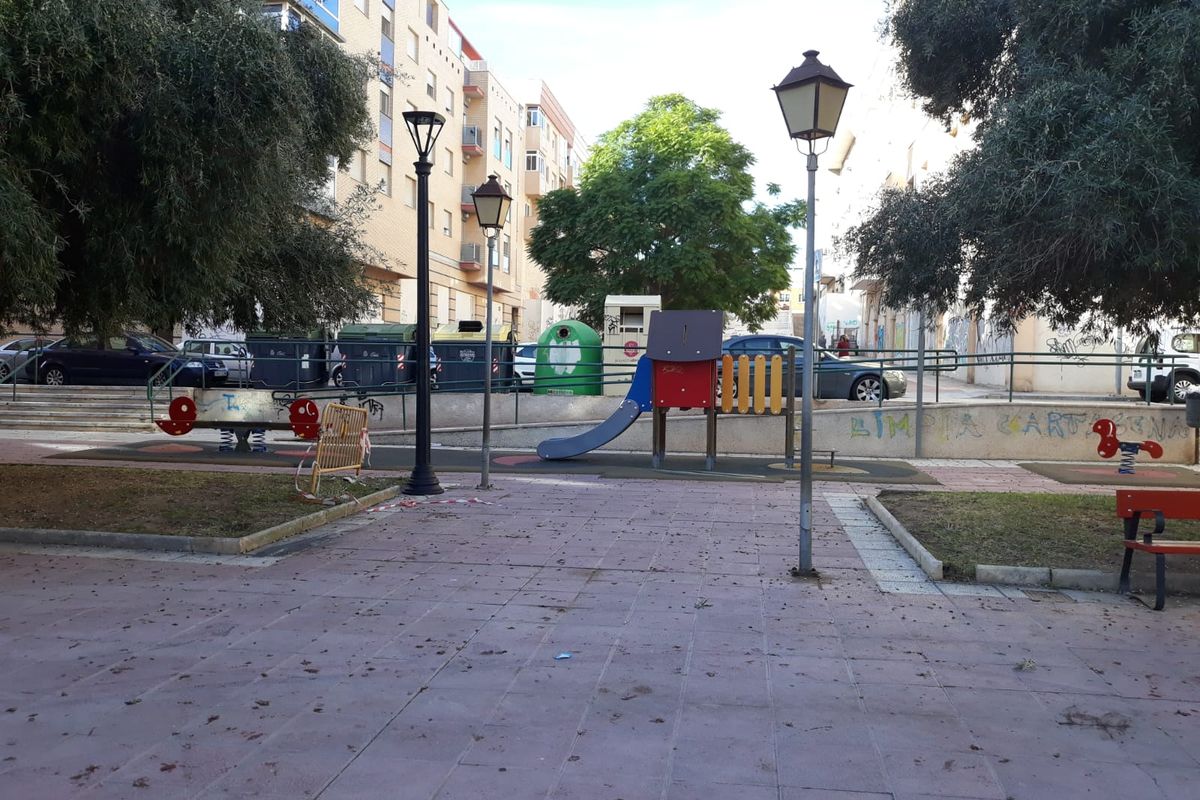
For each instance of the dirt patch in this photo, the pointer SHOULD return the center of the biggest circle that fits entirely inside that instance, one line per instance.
(1066, 531)
(172, 502)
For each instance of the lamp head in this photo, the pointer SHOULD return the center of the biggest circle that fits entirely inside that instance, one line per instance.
(811, 97)
(491, 204)
(424, 127)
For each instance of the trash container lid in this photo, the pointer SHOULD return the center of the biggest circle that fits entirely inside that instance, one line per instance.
(390, 331)
(470, 331)
(314, 335)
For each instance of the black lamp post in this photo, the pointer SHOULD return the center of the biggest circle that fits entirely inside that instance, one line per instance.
(424, 127)
(811, 97)
(491, 209)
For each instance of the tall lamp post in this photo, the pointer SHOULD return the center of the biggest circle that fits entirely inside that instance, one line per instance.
(811, 97)
(424, 127)
(491, 209)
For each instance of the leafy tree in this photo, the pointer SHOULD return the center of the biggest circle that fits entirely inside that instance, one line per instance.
(156, 160)
(663, 207)
(1081, 201)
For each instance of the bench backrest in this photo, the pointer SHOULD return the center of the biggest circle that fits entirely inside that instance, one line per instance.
(1173, 504)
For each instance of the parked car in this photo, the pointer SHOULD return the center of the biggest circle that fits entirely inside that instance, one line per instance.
(16, 352)
(128, 358)
(232, 354)
(1163, 350)
(837, 379)
(524, 363)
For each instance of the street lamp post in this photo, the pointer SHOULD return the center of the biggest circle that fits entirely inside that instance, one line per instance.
(811, 98)
(491, 209)
(424, 127)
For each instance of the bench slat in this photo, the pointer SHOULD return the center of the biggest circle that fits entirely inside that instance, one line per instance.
(1167, 547)
(1173, 504)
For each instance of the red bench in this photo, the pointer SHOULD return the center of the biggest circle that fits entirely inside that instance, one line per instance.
(1132, 504)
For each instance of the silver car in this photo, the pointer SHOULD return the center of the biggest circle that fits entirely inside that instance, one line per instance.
(233, 354)
(17, 351)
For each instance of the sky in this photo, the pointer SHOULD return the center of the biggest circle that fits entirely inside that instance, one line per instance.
(604, 60)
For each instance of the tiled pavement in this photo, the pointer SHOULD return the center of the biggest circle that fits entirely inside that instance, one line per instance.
(414, 654)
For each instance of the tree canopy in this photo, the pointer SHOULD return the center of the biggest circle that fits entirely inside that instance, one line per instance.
(1081, 201)
(664, 207)
(156, 158)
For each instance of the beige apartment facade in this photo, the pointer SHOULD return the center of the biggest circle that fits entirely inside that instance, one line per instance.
(426, 63)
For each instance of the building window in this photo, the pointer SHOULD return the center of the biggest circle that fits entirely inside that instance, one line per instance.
(414, 42)
(386, 182)
(293, 20)
(431, 84)
(533, 117)
(410, 192)
(528, 210)
(449, 101)
(447, 223)
(508, 148)
(508, 190)
(504, 263)
(385, 102)
(357, 168)
(430, 214)
(531, 160)
(431, 14)
(363, 6)
(449, 161)
(385, 23)
(496, 140)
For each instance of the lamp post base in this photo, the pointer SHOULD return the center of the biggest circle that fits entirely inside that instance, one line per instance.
(422, 481)
(796, 572)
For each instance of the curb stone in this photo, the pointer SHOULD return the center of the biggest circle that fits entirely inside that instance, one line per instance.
(931, 565)
(1091, 580)
(196, 544)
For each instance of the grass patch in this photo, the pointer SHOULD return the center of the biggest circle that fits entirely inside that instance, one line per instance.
(173, 502)
(1067, 531)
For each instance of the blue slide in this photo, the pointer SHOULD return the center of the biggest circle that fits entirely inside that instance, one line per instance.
(636, 401)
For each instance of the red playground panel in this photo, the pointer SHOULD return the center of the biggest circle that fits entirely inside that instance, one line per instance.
(684, 384)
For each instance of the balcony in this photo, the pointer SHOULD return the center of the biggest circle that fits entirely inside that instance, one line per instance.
(468, 202)
(471, 258)
(534, 183)
(473, 85)
(472, 141)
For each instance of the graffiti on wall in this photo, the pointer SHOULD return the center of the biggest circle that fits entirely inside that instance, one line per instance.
(1045, 424)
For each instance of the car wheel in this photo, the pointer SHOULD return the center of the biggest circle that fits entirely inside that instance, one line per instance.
(1183, 382)
(54, 376)
(338, 380)
(4, 371)
(868, 389)
(162, 378)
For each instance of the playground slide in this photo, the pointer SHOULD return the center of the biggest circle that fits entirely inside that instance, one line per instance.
(636, 401)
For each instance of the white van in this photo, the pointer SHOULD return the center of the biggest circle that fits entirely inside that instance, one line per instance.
(1162, 351)
(233, 353)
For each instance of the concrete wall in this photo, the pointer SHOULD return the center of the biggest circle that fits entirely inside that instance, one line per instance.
(1033, 431)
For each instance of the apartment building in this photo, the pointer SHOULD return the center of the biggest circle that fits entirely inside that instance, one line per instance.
(427, 63)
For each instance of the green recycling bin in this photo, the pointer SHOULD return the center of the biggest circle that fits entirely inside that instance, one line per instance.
(569, 360)
(460, 348)
(377, 354)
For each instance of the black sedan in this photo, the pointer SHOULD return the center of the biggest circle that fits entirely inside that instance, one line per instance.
(836, 379)
(129, 358)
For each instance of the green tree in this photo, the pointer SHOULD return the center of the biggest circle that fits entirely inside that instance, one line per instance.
(664, 207)
(1080, 202)
(156, 161)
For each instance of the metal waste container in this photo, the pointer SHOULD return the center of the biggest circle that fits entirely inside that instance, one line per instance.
(379, 354)
(288, 360)
(460, 346)
(1192, 409)
(570, 360)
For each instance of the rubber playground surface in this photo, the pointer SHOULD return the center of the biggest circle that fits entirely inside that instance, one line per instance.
(1105, 474)
(609, 465)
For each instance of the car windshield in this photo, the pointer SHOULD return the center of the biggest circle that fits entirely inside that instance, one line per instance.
(152, 344)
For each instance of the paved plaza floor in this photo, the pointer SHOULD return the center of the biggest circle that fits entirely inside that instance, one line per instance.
(592, 639)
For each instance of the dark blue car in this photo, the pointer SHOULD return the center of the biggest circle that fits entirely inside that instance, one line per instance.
(129, 358)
